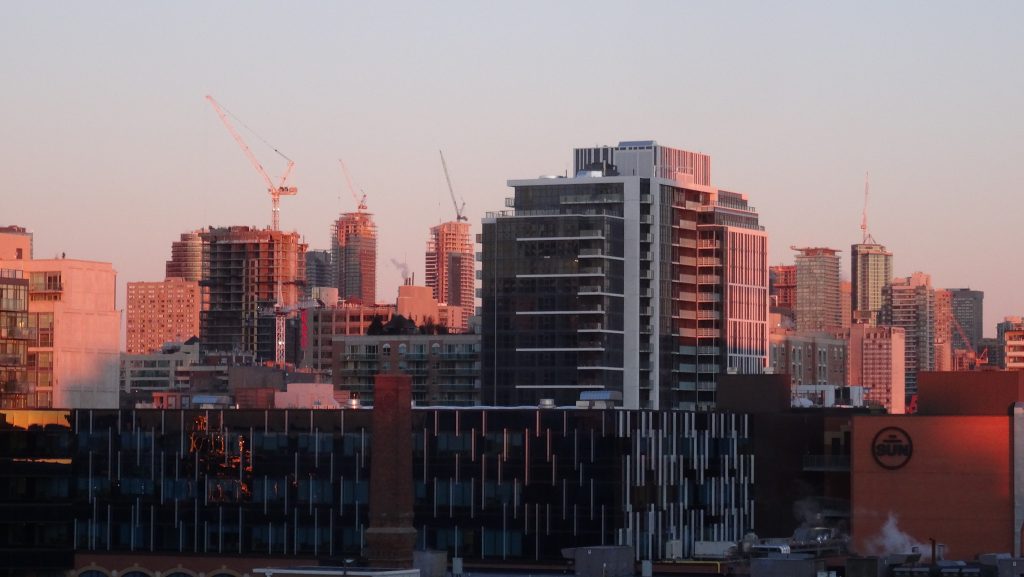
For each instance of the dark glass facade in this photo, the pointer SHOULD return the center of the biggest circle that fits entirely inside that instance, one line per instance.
(510, 484)
(552, 294)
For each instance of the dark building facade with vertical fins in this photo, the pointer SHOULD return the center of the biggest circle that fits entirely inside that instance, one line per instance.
(490, 484)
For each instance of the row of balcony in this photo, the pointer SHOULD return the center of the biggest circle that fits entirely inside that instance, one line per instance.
(19, 333)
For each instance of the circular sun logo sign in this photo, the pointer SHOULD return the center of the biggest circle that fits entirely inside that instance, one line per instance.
(892, 448)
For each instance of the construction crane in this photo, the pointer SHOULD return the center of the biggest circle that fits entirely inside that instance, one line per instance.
(280, 315)
(866, 237)
(360, 202)
(458, 209)
(974, 359)
(276, 191)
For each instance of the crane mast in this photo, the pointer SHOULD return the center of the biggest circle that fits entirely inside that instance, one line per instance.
(458, 209)
(276, 191)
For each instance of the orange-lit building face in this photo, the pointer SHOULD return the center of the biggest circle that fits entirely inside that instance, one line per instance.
(956, 486)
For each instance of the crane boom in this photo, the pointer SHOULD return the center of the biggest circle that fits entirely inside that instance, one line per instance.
(975, 357)
(276, 191)
(458, 209)
(360, 202)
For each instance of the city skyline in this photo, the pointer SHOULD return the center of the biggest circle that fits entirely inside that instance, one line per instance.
(117, 128)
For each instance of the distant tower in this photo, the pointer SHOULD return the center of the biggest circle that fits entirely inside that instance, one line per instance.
(161, 312)
(249, 272)
(319, 265)
(871, 270)
(450, 265)
(186, 257)
(354, 256)
(909, 303)
(817, 289)
(968, 309)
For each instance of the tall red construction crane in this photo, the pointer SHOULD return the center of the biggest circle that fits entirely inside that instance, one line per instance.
(360, 202)
(458, 209)
(276, 191)
(974, 358)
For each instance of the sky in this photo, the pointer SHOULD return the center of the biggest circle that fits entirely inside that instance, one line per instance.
(110, 150)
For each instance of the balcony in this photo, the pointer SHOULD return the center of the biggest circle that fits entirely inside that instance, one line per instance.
(686, 261)
(463, 356)
(591, 252)
(19, 333)
(8, 360)
(592, 234)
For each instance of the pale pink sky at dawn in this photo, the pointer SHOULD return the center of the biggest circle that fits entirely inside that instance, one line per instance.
(110, 150)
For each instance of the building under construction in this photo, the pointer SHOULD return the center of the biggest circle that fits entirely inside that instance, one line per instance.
(450, 265)
(186, 257)
(354, 256)
(248, 271)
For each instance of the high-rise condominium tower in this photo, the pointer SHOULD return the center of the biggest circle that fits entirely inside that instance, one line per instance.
(450, 265)
(871, 270)
(968, 307)
(817, 289)
(909, 303)
(634, 279)
(186, 257)
(319, 268)
(161, 312)
(354, 257)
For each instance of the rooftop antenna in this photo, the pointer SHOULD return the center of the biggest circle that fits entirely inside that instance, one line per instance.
(866, 237)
